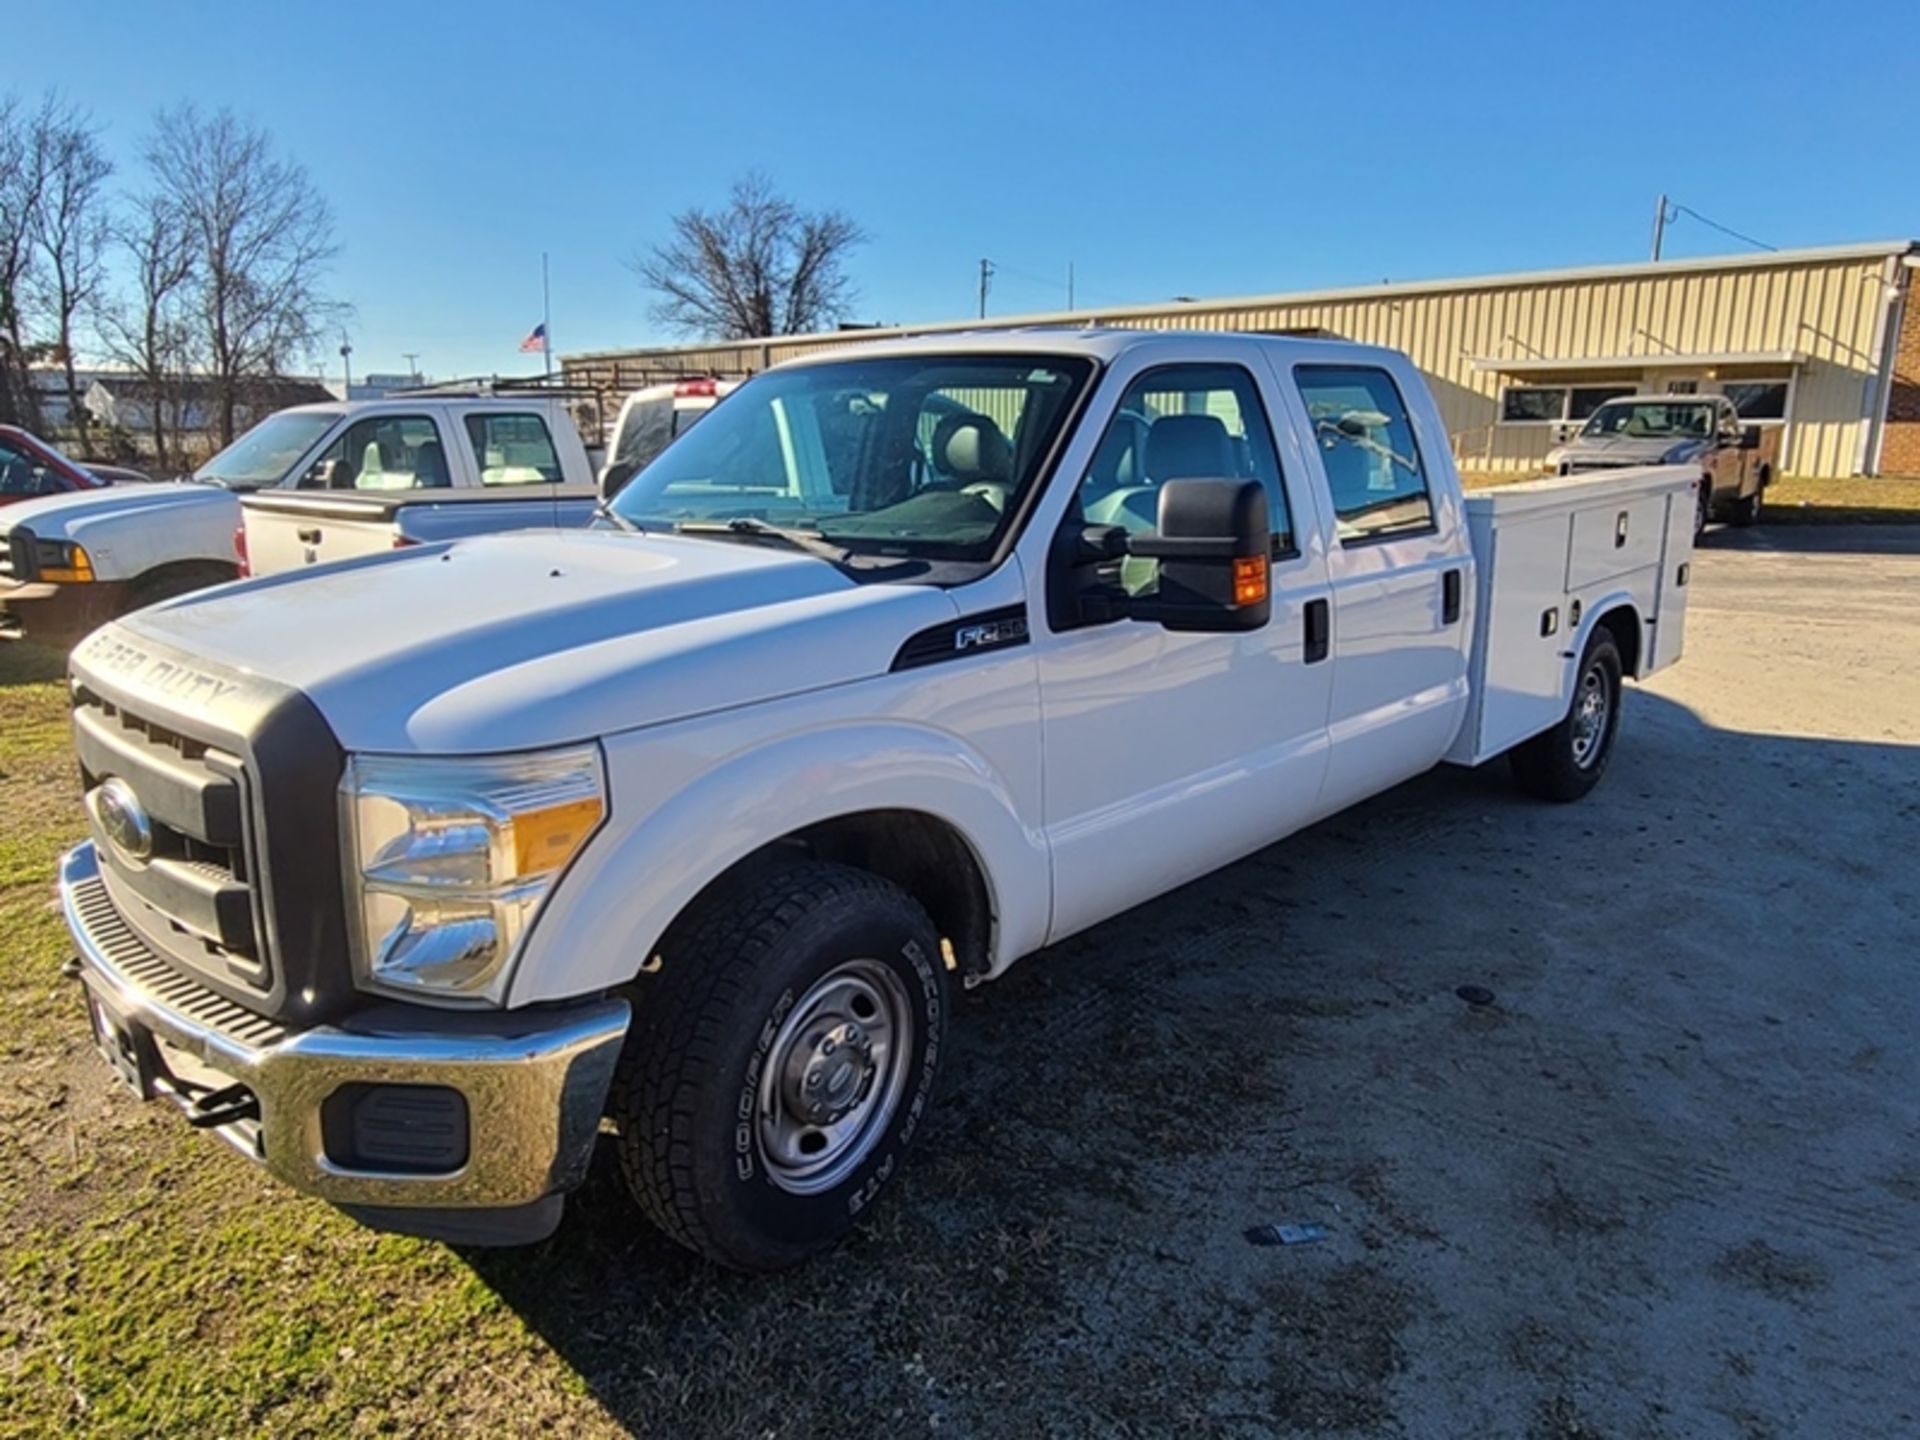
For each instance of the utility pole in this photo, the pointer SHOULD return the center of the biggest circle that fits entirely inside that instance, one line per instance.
(1069, 285)
(412, 357)
(546, 316)
(346, 362)
(986, 278)
(1659, 226)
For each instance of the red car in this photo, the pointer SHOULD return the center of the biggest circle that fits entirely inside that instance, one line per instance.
(30, 467)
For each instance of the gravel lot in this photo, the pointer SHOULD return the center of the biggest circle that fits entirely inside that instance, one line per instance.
(1667, 1183)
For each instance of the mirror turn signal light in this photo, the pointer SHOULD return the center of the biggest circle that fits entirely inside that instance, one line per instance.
(1249, 579)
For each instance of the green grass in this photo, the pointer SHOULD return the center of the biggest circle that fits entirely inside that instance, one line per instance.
(151, 1282)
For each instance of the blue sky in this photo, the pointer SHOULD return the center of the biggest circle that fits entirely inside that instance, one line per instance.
(1164, 149)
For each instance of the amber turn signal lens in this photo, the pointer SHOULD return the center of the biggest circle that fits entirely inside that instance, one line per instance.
(1249, 579)
(544, 840)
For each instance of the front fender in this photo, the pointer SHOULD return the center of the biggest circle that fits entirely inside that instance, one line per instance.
(651, 859)
(145, 531)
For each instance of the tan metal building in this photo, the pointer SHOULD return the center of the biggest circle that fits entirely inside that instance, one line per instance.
(1818, 342)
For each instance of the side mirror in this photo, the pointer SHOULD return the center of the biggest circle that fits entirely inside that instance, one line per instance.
(1565, 430)
(1750, 437)
(615, 477)
(1214, 548)
(327, 475)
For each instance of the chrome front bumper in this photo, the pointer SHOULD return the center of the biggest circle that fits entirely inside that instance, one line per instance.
(534, 1082)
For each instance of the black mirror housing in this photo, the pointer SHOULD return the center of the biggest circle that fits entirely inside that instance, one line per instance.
(616, 477)
(1215, 551)
(1750, 437)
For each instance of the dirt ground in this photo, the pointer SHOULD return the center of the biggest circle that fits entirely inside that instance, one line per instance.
(1666, 1184)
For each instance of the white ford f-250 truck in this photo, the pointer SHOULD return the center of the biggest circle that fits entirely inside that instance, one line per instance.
(71, 562)
(907, 661)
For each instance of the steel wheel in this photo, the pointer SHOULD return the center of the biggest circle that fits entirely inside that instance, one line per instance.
(1591, 708)
(835, 1074)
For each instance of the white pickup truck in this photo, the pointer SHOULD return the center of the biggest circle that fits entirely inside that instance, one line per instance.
(908, 661)
(71, 562)
(423, 468)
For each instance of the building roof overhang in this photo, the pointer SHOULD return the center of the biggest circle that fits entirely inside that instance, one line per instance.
(1557, 367)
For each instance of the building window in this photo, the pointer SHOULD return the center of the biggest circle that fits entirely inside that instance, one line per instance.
(1532, 404)
(1583, 400)
(1758, 401)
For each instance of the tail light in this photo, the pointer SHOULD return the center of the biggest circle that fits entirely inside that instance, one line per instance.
(688, 389)
(240, 551)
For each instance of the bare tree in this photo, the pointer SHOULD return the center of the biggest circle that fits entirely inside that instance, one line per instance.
(21, 179)
(262, 236)
(758, 266)
(150, 330)
(69, 229)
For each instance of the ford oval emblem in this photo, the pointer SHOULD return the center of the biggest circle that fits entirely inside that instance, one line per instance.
(125, 820)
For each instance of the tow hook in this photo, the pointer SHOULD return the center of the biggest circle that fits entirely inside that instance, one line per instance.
(223, 1107)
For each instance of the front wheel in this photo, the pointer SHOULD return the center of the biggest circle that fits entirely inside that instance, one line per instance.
(1747, 511)
(1566, 761)
(782, 1057)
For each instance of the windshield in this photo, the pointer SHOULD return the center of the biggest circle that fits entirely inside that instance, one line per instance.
(267, 452)
(925, 455)
(1652, 419)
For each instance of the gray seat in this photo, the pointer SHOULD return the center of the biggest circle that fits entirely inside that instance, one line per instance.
(1177, 447)
(971, 454)
(430, 467)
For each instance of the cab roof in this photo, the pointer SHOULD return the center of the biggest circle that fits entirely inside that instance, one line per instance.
(1102, 343)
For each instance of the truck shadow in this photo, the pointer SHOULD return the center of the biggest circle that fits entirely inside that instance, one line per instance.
(1883, 532)
(1063, 1253)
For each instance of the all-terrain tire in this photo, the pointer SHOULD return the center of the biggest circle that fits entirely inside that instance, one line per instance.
(1565, 762)
(712, 1023)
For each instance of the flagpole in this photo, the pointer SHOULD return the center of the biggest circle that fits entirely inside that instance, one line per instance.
(546, 314)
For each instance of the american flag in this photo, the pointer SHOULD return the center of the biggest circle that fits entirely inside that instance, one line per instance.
(536, 342)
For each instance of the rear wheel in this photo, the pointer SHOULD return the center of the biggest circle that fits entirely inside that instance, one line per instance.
(781, 1059)
(1566, 761)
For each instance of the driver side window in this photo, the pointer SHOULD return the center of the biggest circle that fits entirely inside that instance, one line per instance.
(24, 474)
(1183, 422)
(383, 452)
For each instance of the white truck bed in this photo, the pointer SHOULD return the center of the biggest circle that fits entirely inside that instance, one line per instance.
(1549, 554)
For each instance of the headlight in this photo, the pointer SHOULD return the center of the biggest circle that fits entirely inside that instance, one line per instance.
(56, 560)
(448, 861)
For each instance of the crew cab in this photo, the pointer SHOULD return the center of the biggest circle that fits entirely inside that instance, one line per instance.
(1735, 460)
(911, 659)
(423, 469)
(80, 559)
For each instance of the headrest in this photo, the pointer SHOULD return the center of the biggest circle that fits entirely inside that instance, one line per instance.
(971, 447)
(1189, 447)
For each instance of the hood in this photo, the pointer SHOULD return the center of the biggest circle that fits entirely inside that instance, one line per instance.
(68, 517)
(1627, 449)
(539, 638)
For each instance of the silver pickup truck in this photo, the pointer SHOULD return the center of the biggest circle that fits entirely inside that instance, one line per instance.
(414, 469)
(1737, 461)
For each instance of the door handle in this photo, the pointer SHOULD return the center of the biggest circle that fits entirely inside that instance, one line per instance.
(1319, 631)
(1620, 531)
(1450, 597)
(310, 535)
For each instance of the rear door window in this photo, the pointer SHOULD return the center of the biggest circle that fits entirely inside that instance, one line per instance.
(513, 450)
(1365, 439)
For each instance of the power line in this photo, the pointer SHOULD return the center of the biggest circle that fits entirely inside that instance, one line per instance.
(1672, 210)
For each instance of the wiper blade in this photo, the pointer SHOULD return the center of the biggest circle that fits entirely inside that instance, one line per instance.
(760, 529)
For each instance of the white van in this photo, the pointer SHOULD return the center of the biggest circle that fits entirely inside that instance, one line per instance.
(651, 419)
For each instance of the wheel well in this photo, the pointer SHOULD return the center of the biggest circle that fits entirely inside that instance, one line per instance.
(206, 572)
(922, 854)
(1624, 626)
